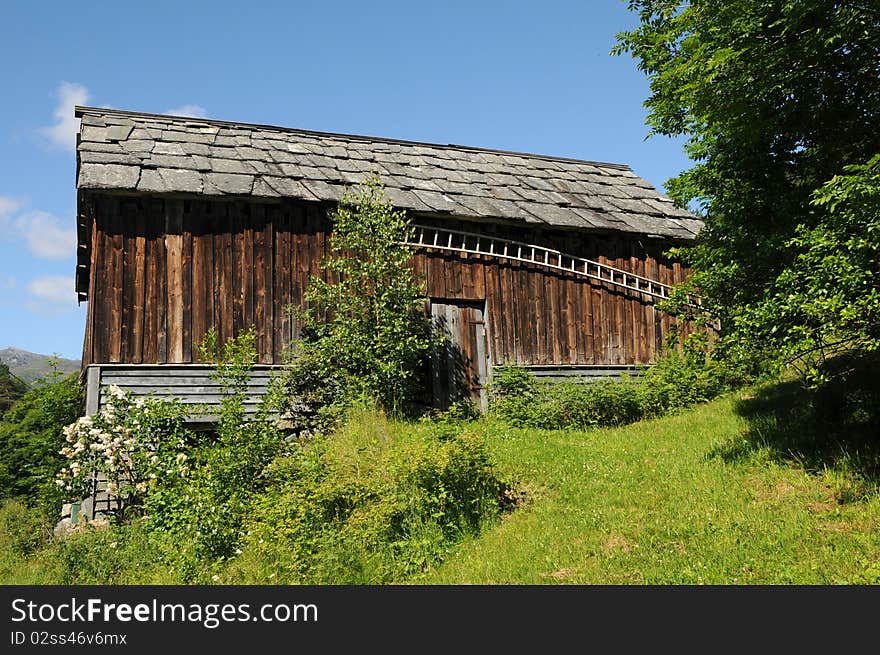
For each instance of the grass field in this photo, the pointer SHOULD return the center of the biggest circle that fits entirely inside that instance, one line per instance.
(722, 494)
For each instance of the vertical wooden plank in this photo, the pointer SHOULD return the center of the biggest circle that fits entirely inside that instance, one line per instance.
(676, 277)
(247, 272)
(263, 286)
(585, 332)
(318, 245)
(578, 311)
(281, 260)
(482, 358)
(116, 280)
(261, 325)
(478, 278)
(223, 270)
(161, 256)
(435, 363)
(208, 215)
(601, 350)
(186, 274)
(640, 304)
(438, 264)
(630, 329)
(237, 240)
(511, 307)
(618, 327)
(494, 314)
(140, 255)
(571, 318)
(202, 276)
(533, 316)
(650, 334)
(98, 298)
(665, 321)
(556, 338)
(451, 319)
(313, 247)
(174, 254)
(128, 212)
(88, 342)
(151, 285)
(298, 265)
(454, 276)
(468, 283)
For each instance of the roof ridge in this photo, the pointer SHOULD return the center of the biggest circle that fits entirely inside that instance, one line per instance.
(80, 110)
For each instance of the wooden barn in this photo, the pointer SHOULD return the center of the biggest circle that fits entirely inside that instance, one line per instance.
(186, 224)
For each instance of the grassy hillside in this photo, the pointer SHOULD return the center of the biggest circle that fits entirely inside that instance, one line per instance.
(30, 366)
(757, 487)
(721, 494)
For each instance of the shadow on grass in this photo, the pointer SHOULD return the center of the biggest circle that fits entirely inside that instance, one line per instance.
(834, 428)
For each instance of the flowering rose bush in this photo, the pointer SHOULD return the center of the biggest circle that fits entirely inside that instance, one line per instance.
(136, 442)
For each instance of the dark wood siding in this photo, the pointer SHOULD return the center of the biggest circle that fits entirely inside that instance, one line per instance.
(165, 271)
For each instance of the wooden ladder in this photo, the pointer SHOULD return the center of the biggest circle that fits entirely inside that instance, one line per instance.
(436, 238)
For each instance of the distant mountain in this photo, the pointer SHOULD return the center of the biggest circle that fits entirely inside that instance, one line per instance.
(30, 366)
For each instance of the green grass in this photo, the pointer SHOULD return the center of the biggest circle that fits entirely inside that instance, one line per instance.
(712, 496)
(758, 487)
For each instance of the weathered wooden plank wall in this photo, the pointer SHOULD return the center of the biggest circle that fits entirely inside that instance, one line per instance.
(165, 271)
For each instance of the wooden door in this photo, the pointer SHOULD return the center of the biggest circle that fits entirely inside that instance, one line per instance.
(460, 367)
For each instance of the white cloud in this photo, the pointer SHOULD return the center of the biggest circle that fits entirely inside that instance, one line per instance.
(44, 234)
(56, 289)
(9, 206)
(196, 111)
(62, 133)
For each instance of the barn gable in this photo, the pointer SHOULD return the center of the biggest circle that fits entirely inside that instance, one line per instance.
(187, 224)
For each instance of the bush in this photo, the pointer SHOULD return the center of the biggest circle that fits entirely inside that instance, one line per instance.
(23, 529)
(568, 405)
(682, 377)
(138, 443)
(368, 504)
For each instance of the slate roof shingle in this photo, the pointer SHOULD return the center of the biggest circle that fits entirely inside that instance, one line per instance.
(124, 150)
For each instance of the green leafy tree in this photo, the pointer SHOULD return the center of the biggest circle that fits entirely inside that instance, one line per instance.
(827, 301)
(775, 98)
(31, 439)
(366, 328)
(11, 389)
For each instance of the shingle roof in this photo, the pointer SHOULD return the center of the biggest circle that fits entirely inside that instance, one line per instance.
(122, 150)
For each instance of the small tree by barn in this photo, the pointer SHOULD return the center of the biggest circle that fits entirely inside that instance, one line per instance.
(365, 330)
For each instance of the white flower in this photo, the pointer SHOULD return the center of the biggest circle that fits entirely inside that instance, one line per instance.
(115, 392)
(215, 578)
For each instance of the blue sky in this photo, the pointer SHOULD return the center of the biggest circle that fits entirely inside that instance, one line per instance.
(528, 76)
